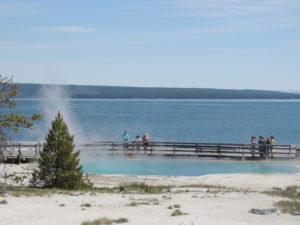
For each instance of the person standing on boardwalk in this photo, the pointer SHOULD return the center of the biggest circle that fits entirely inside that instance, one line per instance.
(253, 143)
(268, 146)
(138, 141)
(262, 146)
(272, 142)
(125, 139)
(146, 140)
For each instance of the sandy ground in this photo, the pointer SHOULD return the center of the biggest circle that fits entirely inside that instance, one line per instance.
(202, 207)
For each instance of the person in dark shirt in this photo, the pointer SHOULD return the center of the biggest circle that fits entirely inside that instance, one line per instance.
(262, 146)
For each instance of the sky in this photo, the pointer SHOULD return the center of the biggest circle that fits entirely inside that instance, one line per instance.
(232, 44)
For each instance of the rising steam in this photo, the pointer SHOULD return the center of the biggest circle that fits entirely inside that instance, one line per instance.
(55, 99)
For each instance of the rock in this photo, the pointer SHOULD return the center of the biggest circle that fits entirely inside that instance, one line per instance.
(263, 211)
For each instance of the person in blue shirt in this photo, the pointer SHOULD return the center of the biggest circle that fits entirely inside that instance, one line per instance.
(125, 139)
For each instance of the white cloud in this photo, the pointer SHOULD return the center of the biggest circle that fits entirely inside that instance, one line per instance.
(14, 8)
(226, 8)
(67, 29)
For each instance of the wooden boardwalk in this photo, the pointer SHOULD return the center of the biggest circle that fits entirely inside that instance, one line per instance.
(28, 151)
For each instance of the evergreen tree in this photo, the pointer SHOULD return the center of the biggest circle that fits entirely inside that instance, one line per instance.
(59, 164)
(10, 121)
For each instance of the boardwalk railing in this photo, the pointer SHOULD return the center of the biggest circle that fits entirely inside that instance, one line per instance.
(30, 151)
(213, 150)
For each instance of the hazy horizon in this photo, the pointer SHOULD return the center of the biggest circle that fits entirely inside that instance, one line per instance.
(171, 87)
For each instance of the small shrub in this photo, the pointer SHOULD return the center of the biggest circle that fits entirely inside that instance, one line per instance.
(120, 220)
(86, 205)
(133, 204)
(174, 207)
(3, 202)
(289, 207)
(166, 197)
(177, 212)
(62, 205)
(19, 179)
(155, 202)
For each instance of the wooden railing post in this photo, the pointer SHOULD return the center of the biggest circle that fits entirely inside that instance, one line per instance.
(243, 150)
(290, 152)
(174, 148)
(196, 150)
(113, 148)
(219, 150)
(19, 154)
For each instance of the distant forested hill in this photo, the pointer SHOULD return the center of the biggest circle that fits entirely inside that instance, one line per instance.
(34, 91)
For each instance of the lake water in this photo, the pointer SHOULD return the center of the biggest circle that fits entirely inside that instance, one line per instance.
(96, 162)
(171, 120)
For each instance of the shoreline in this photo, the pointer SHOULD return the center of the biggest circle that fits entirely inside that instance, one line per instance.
(225, 199)
(253, 181)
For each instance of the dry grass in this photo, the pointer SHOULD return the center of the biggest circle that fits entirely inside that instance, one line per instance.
(120, 220)
(289, 207)
(140, 188)
(105, 221)
(143, 188)
(150, 201)
(291, 192)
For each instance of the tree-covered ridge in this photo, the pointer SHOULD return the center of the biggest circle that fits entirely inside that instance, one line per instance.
(33, 91)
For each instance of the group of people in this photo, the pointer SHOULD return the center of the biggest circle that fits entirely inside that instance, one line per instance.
(139, 140)
(265, 145)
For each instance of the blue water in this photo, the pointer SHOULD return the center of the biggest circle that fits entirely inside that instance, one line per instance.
(174, 120)
(177, 120)
(118, 164)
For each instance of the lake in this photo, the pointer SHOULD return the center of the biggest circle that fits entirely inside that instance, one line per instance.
(227, 121)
